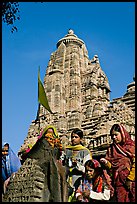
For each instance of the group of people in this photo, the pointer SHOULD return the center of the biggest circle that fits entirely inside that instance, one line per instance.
(111, 178)
(86, 178)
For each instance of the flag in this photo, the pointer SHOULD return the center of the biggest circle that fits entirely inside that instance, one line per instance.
(42, 98)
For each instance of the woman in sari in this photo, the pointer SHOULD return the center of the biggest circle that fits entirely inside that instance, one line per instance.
(51, 135)
(120, 160)
(75, 157)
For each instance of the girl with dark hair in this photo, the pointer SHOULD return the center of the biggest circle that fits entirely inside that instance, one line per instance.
(94, 184)
(120, 160)
(75, 157)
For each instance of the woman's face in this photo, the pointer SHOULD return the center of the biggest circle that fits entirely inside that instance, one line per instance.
(116, 136)
(50, 130)
(75, 139)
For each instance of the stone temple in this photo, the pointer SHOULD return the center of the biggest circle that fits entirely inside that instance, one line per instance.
(78, 93)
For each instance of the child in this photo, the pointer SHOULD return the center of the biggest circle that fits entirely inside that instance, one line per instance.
(94, 184)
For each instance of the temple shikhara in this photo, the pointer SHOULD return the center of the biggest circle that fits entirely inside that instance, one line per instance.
(78, 93)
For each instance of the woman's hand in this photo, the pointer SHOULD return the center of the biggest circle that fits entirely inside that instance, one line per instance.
(103, 160)
(80, 198)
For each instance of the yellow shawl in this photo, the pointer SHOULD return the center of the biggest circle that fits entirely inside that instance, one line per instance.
(76, 147)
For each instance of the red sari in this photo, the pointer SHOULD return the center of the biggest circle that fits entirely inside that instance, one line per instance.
(121, 156)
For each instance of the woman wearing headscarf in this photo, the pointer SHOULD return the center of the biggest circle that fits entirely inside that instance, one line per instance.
(94, 184)
(51, 135)
(10, 164)
(75, 157)
(120, 160)
(49, 129)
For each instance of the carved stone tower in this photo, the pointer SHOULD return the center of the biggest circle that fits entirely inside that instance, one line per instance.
(78, 94)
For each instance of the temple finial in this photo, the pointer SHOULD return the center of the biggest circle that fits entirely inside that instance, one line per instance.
(70, 31)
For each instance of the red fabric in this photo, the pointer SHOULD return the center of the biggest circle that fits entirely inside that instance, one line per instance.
(120, 156)
(128, 145)
(108, 182)
(122, 194)
(98, 184)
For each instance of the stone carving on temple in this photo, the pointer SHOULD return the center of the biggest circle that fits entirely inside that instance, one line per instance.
(78, 92)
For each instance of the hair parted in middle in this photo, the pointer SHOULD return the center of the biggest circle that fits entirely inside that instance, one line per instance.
(78, 132)
(93, 163)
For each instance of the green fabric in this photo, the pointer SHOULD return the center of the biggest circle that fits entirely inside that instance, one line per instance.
(72, 197)
(42, 98)
(54, 129)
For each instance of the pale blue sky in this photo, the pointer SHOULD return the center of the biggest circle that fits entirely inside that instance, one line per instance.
(108, 30)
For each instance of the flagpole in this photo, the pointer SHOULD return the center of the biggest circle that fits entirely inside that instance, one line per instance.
(38, 118)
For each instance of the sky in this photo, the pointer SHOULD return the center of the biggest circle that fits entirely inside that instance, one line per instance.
(108, 30)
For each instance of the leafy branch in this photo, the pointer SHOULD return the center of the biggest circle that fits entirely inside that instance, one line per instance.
(10, 13)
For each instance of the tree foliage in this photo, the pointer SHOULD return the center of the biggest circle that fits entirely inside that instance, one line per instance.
(10, 13)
